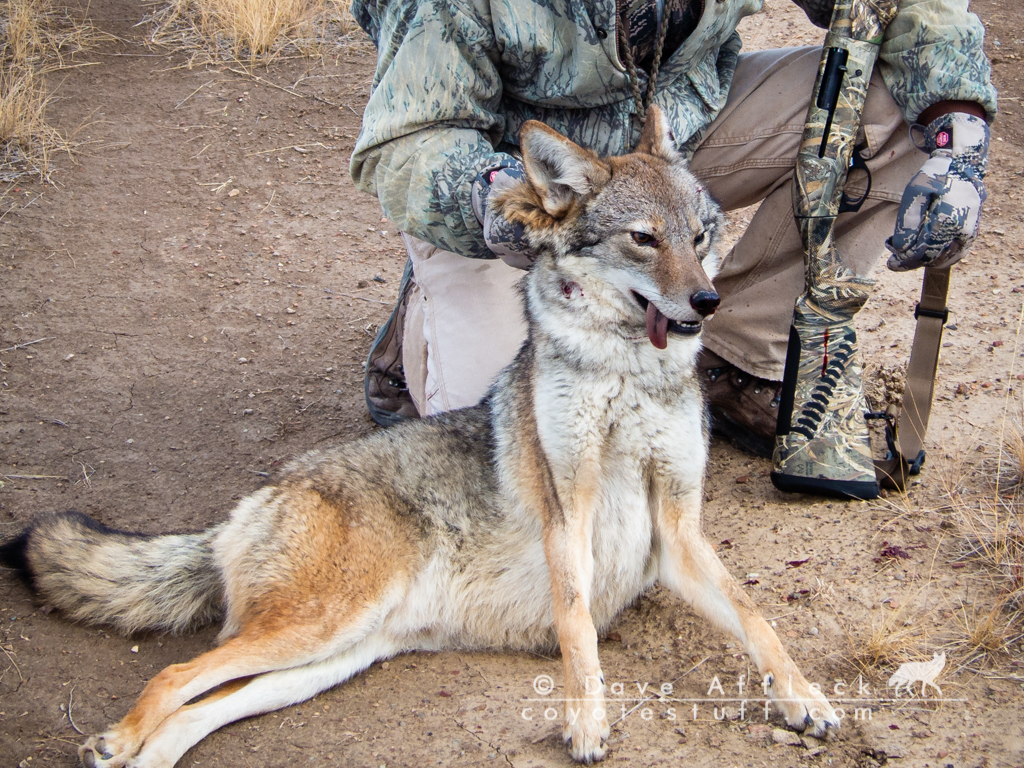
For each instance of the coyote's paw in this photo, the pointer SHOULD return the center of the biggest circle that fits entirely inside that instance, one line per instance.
(586, 729)
(104, 751)
(805, 708)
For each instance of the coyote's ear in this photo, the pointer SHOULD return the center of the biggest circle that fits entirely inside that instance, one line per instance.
(559, 171)
(656, 138)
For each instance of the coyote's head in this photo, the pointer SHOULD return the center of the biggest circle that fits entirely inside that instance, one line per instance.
(627, 245)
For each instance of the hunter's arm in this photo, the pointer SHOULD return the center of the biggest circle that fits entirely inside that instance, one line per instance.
(433, 117)
(931, 54)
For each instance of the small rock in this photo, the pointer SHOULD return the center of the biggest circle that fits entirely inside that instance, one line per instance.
(289, 311)
(247, 412)
(135, 649)
(742, 479)
(243, 360)
(814, 630)
(385, 665)
(780, 736)
(234, 193)
(758, 731)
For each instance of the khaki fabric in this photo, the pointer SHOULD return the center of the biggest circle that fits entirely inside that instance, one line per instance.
(463, 324)
(471, 323)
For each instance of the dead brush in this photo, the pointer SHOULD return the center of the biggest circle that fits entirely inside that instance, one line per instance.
(981, 630)
(26, 140)
(36, 40)
(986, 499)
(891, 640)
(251, 30)
(990, 520)
(889, 643)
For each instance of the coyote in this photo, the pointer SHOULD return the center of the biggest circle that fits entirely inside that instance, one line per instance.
(529, 520)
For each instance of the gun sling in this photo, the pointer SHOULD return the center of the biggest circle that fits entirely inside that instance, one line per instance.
(906, 429)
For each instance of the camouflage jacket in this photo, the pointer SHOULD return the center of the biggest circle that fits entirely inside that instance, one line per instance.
(456, 79)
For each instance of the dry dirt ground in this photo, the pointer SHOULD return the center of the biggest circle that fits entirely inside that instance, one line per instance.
(200, 290)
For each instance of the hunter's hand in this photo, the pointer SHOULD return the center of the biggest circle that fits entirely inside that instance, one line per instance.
(502, 237)
(941, 207)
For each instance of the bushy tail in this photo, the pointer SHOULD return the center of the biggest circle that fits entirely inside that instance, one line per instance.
(129, 581)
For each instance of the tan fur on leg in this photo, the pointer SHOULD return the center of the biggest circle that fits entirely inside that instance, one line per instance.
(691, 566)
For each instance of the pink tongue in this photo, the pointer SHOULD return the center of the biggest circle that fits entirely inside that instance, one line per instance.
(657, 326)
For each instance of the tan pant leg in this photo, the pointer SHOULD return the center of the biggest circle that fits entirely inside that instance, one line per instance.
(749, 155)
(464, 323)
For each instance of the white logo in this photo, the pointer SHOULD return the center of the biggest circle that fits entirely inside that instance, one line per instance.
(913, 671)
(543, 684)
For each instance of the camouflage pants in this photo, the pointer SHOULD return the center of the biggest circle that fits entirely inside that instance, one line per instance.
(465, 322)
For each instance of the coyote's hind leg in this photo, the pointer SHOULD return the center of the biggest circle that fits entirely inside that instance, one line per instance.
(243, 656)
(264, 693)
(279, 636)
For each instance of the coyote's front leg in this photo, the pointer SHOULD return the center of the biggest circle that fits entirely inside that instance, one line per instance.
(690, 565)
(568, 548)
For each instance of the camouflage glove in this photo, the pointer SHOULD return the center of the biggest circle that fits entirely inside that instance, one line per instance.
(941, 206)
(502, 237)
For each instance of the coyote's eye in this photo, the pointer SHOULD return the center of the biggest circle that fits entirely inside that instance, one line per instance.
(644, 238)
(699, 239)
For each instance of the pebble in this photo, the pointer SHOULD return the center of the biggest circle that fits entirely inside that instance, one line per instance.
(780, 736)
(814, 630)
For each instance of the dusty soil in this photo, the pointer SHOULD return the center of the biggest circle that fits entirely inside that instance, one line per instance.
(192, 303)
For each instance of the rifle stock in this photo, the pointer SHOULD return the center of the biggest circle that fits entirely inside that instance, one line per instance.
(822, 442)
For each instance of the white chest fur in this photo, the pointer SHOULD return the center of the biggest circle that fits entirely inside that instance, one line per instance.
(634, 434)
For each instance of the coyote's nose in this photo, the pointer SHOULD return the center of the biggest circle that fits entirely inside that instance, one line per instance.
(705, 302)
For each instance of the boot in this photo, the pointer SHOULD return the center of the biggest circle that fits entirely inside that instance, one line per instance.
(743, 408)
(387, 396)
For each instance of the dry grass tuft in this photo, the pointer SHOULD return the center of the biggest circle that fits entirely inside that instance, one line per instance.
(981, 631)
(986, 500)
(26, 141)
(890, 643)
(991, 522)
(252, 30)
(36, 40)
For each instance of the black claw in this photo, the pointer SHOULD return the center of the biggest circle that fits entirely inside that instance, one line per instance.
(808, 720)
